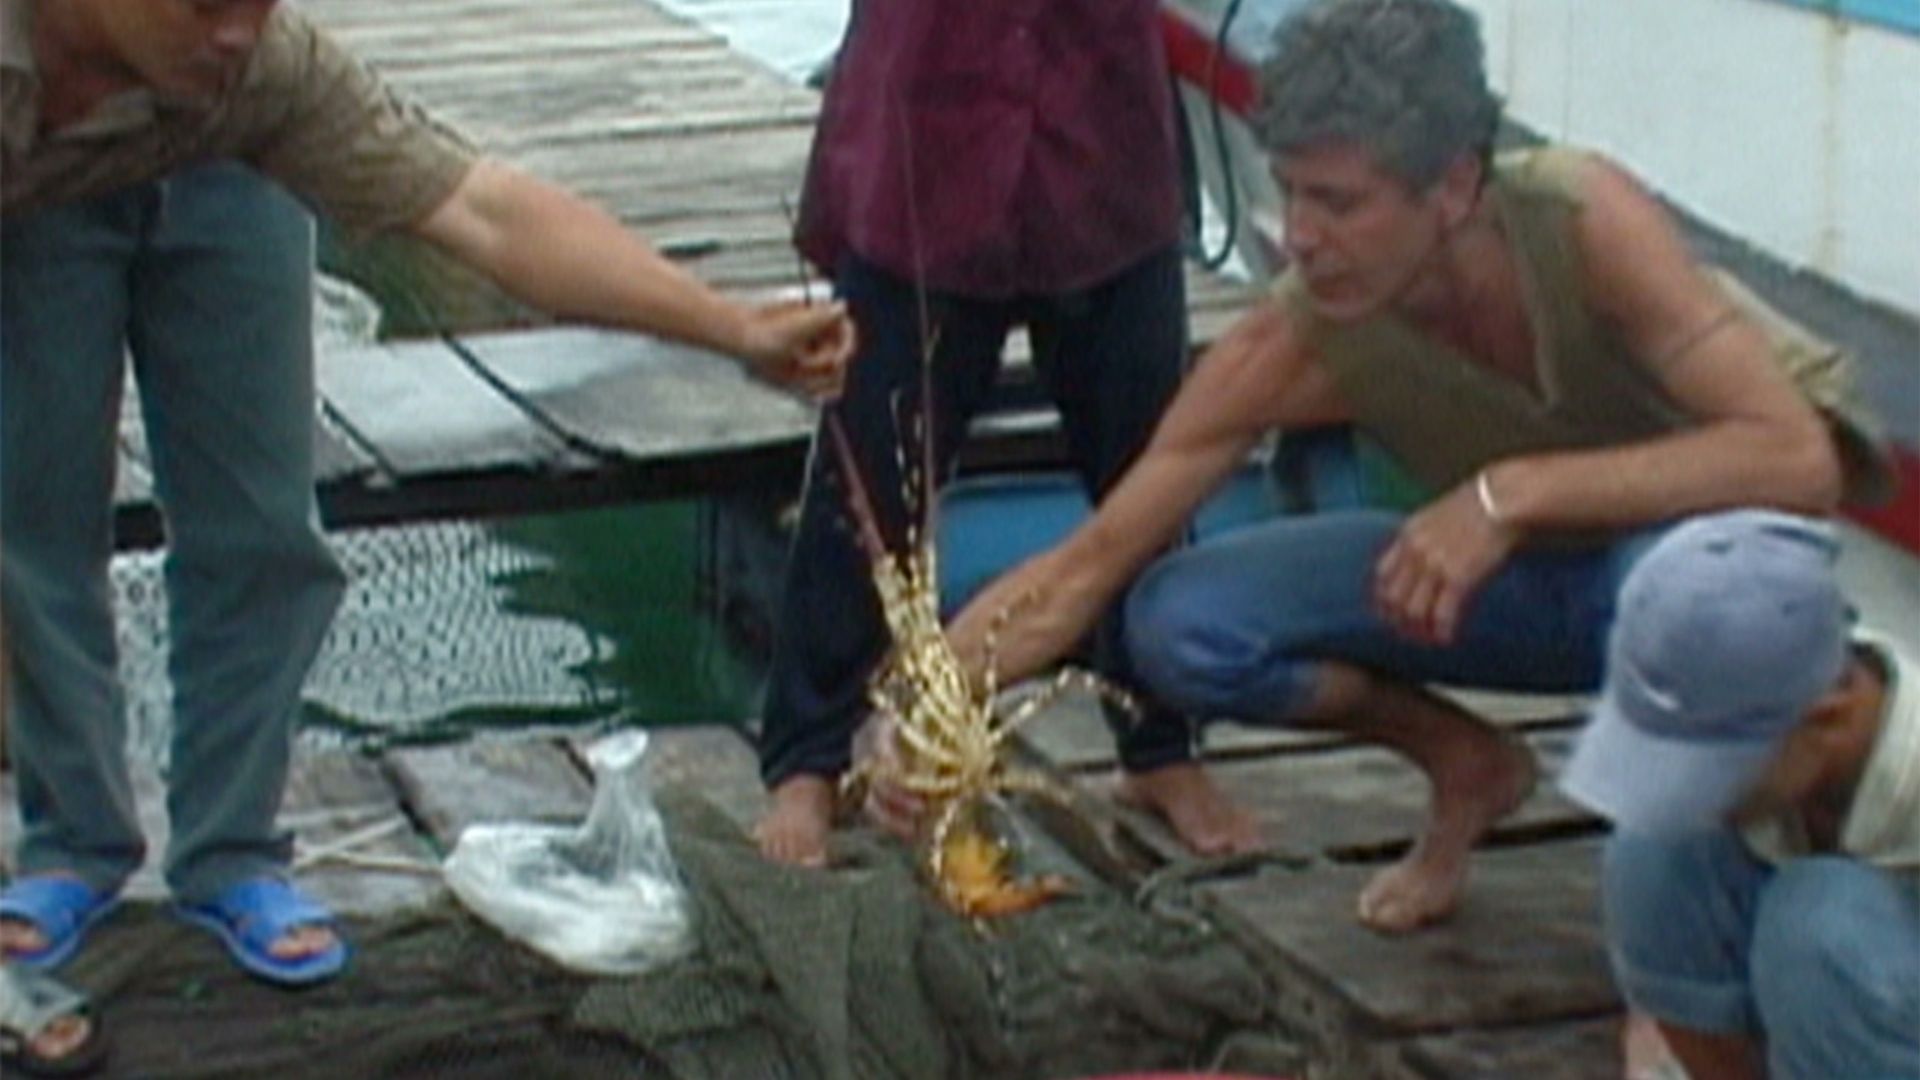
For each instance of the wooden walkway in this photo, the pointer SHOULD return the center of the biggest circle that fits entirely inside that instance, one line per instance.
(1515, 985)
(698, 148)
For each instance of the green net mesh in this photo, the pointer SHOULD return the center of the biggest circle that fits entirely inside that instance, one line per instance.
(798, 974)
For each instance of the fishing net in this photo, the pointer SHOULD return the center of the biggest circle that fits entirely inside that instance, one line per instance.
(854, 974)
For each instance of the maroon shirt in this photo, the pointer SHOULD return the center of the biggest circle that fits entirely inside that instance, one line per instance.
(995, 147)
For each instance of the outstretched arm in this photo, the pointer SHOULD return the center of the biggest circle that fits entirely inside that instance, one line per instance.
(1256, 377)
(570, 258)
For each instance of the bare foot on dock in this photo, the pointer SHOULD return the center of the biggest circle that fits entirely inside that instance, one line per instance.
(1469, 796)
(1194, 807)
(795, 827)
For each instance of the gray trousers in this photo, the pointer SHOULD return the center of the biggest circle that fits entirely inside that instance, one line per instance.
(205, 280)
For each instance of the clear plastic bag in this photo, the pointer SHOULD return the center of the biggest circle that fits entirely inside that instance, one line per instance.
(604, 898)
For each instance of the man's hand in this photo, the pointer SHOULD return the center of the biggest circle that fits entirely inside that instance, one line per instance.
(1438, 561)
(803, 347)
(876, 749)
(562, 254)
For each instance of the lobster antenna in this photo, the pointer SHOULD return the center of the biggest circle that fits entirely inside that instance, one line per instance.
(929, 336)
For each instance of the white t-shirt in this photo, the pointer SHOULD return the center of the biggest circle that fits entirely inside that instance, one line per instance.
(1883, 824)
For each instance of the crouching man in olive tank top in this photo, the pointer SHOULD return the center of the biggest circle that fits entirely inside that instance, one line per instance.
(1530, 337)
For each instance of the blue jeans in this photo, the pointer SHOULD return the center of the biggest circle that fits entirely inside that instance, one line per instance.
(1819, 958)
(205, 279)
(1111, 357)
(1238, 626)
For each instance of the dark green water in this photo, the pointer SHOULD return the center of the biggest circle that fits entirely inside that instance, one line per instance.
(653, 613)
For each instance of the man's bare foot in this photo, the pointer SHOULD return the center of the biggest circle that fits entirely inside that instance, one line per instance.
(795, 827)
(1191, 804)
(1470, 794)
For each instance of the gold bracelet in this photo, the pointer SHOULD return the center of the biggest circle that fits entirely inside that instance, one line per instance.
(1483, 488)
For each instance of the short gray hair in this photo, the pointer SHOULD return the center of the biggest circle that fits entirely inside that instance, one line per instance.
(1403, 79)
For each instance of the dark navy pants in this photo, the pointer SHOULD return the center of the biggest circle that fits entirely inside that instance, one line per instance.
(1111, 357)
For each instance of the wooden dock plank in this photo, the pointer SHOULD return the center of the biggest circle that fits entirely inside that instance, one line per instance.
(443, 29)
(425, 412)
(1524, 947)
(336, 456)
(714, 760)
(1350, 801)
(638, 397)
(331, 796)
(715, 167)
(1072, 735)
(514, 107)
(718, 761)
(133, 472)
(450, 787)
(355, 849)
(1578, 1050)
(150, 805)
(132, 479)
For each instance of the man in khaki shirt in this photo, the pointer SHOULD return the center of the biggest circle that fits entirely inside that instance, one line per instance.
(132, 221)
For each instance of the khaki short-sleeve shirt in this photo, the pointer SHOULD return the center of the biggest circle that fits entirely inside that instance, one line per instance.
(304, 112)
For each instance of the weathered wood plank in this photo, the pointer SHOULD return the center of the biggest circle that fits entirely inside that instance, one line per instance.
(1579, 1050)
(1073, 735)
(331, 796)
(336, 457)
(132, 479)
(355, 848)
(424, 412)
(1348, 799)
(150, 804)
(133, 457)
(1524, 948)
(712, 168)
(454, 31)
(515, 101)
(384, 12)
(715, 760)
(639, 397)
(428, 44)
(448, 788)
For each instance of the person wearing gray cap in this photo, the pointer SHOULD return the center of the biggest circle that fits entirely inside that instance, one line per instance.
(1762, 884)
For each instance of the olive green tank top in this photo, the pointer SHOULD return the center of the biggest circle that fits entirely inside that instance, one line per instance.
(1445, 417)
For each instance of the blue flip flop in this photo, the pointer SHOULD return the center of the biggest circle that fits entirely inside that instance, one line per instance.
(250, 916)
(61, 908)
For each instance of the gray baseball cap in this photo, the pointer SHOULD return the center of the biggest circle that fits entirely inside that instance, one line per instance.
(1728, 629)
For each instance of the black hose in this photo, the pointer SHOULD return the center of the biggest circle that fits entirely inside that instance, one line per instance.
(1214, 260)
